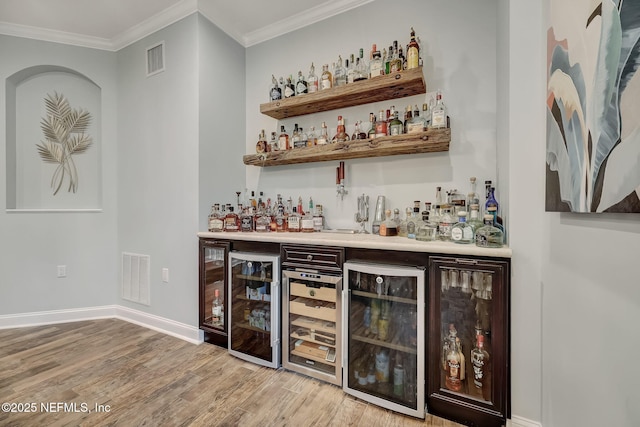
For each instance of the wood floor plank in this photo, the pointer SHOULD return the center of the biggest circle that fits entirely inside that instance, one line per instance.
(151, 379)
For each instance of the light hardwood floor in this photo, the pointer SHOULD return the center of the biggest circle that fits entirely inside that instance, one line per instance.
(152, 379)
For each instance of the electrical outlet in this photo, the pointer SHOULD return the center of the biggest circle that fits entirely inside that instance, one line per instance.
(165, 275)
(62, 271)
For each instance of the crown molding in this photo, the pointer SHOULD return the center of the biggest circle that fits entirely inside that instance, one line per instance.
(63, 37)
(292, 23)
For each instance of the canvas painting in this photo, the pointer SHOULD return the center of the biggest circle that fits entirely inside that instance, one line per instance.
(593, 106)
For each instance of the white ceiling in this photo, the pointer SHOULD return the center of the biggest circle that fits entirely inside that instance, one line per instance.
(113, 24)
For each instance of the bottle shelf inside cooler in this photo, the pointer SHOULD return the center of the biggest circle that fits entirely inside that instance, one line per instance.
(385, 297)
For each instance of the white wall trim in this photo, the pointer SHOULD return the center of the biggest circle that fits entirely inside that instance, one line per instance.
(516, 421)
(180, 330)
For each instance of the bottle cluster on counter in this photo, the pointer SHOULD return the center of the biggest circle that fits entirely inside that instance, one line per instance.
(433, 115)
(265, 216)
(446, 220)
(352, 70)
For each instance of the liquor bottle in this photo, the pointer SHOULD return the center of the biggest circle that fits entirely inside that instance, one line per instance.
(376, 66)
(306, 222)
(444, 227)
(416, 124)
(386, 59)
(472, 197)
(491, 200)
(289, 88)
(428, 230)
(381, 125)
(395, 125)
(439, 113)
(493, 211)
(426, 116)
(301, 85)
(318, 219)
(372, 129)
(403, 60)
(489, 236)
(275, 93)
(480, 360)
(295, 137)
(231, 220)
(402, 227)
(413, 52)
(357, 133)
(453, 373)
(395, 63)
(324, 135)
(474, 218)
(398, 377)
(463, 363)
(362, 67)
(326, 79)
(281, 221)
(447, 342)
(304, 138)
(415, 221)
(312, 139)
(293, 221)
(263, 221)
(312, 80)
(462, 232)
(375, 316)
(351, 69)
(340, 74)
(341, 134)
(439, 199)
(216, 310)
(273, 143)
(262, 145)
(246, 220)
(388, 226)
(283, 139)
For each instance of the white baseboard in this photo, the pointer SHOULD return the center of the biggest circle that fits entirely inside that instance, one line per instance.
(516, 421)
(167, 326)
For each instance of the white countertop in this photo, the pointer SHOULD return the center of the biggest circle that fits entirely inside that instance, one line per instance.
(367, 241)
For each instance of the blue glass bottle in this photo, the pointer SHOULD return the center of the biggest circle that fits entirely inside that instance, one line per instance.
(491, 200)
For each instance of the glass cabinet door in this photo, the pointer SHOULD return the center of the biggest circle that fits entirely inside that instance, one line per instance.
(213, 291)
(384, 338)
(469, 338)
(254, 303)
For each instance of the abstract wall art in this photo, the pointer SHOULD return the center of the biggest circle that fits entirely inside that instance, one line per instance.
(593, 106)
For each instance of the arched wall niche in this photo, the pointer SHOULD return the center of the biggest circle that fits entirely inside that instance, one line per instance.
(29, 178)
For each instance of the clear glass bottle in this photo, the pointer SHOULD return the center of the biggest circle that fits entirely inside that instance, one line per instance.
(217, 318)
(481, 362)
(301, 85)
(474, 218)
(263, 221)
(293, 221)
(318, 219)
(426, 116)
(312, 138)
(439, 113)
(395, 125)
(340, 73)
(216, 223)
(312, 80)
(306, 222)
(413, 52)
(416, 124)
(283, 140)
(326, 78)
(324, 135)
(376, 66)
(395, 62)
(388, 226)
(472, 197)
(273, 142)
(462, 231)
(246, 220)
(444, 227)
(402, 227)
(295, 137)
(289, 88)
(304, 142)
(428, 230)
(489, 236)
(415, 221)
(357, 133)
(362, 68)
(350, 65)
(275, 92)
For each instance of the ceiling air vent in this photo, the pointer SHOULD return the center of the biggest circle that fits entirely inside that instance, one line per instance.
(155, 59)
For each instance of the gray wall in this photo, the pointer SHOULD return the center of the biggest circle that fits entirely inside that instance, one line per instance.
(33, 244)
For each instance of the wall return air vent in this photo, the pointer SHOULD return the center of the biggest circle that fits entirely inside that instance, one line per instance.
(155, 59)
(136, 281)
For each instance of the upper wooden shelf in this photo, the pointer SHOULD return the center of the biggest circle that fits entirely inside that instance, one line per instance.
(398, 85)
(432, 140)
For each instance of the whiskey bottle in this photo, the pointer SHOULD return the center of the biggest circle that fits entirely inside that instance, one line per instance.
(275, 93)
(289, 88)
(340, 74)
(480, 360)
(357, 133)
(416, 124)
(295, 137)
(246, 220)
(283, 139)
(262, 145)
(216, 223)
(293, 221)
(395, 63)
(318, 219)
(326, 79)
(281, 221)
(273, 143)
(341, 134)
(312, 80)
(439, 113)
(413, 52)
(231, 220)
(388, 226)
(263, 221)
(301, 85)
(463, 363)
(453, 373)
(376, 66)
(306, 222)
(312, 139)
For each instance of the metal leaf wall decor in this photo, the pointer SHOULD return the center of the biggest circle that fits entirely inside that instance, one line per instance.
(65, 134)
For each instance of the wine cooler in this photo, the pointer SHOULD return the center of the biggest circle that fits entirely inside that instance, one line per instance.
(213, 291)
(254, 307)
(469, 337)
(384, 334)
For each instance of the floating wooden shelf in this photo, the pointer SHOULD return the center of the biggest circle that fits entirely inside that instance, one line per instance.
(398, 85)
(432, 140)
